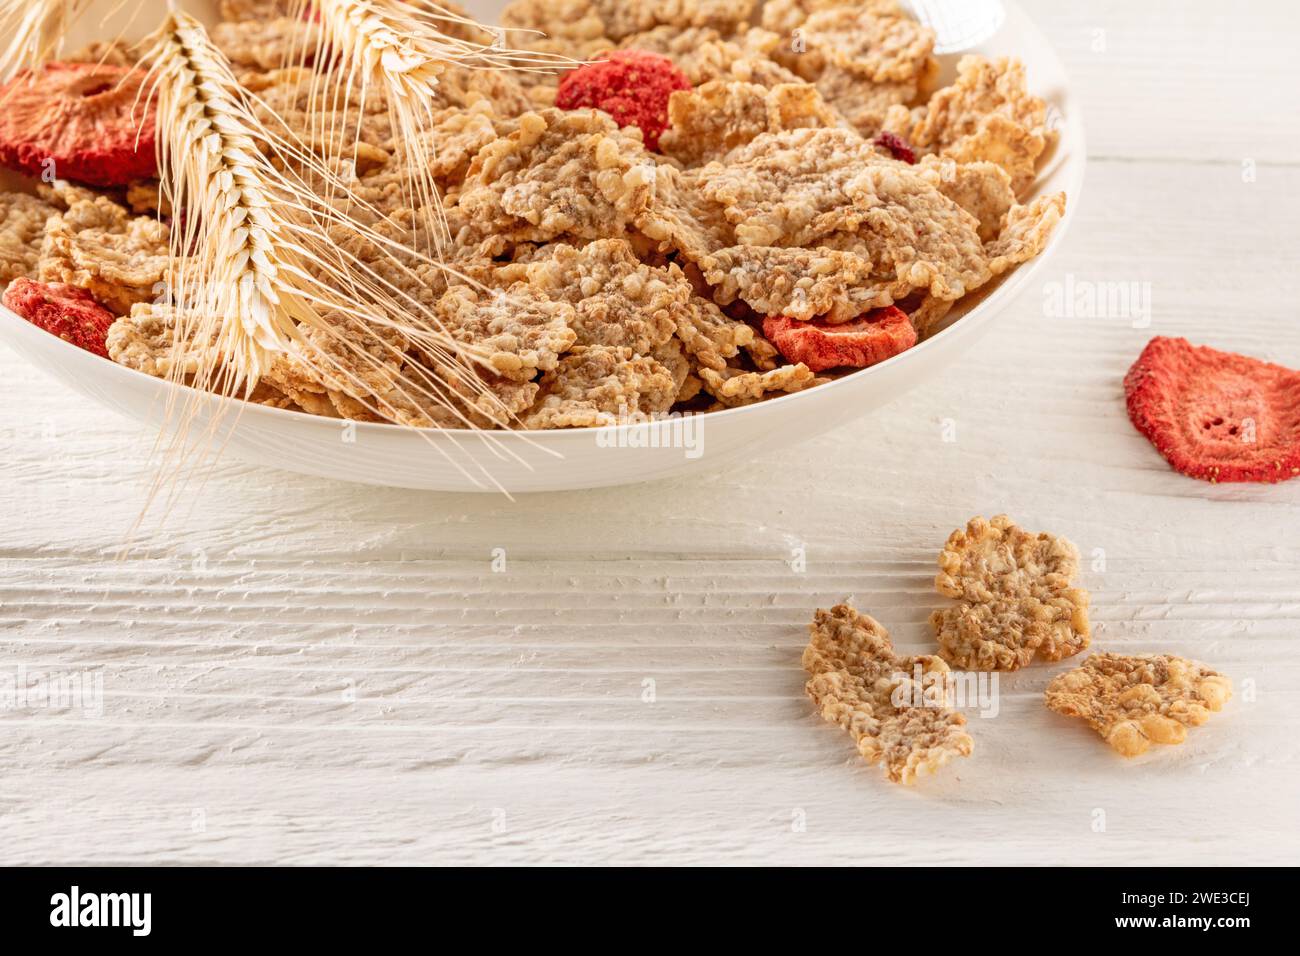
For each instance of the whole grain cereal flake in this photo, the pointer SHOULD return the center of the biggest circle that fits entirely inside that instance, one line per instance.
(1135, 701)
(860, 683)
(1014, 598)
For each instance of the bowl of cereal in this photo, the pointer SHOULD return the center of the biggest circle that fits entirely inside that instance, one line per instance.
(726, 227)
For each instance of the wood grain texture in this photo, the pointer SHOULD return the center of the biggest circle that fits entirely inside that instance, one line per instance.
(302, 672)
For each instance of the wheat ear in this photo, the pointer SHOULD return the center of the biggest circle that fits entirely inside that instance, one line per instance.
(35, 30)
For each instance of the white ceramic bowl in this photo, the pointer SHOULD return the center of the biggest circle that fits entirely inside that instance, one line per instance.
(582, 458)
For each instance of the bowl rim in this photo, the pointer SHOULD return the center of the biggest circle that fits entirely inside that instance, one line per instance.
(1007, 289)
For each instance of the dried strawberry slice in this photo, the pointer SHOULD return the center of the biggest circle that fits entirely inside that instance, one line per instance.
(67, 311)
(865, 341)
(898, 147)
(1216, 415)
(633, 86)
(83, 118)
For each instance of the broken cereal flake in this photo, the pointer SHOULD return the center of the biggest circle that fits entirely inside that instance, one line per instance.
(789, 188)
(1015, 601)
(877, 48)
(987, 114)
(514, 333)
(784, 16)
(855, 679)
(703, 55)
(149, 341)
(1133, 702)
(711, 337)
(120, 259)
(601, 385)
(618, 19)
(800, 283)
(709, 122)
(983, 189)
(617, 300)
(22, 230)
(562, 173)
(734, 387)
(266, 44)
(1026, 231)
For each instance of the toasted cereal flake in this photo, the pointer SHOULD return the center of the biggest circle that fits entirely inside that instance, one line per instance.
(703, 55)
(118, 258)
(859, 682)
(876, 48)
(800, 283)
(784, 16)
(707, 123)
(711, 337)
(563, 173)
(265, 44)
(599, 385)
(147, 340)
(1026, 231)
(1015, 601)
(22, 230)
(789, 188)
(733, 387)
(617, 300)
(987, 114)
(1135, 701)
(618, 18)
(983, 189)
(514, 332)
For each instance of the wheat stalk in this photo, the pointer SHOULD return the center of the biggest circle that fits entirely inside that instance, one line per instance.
(35, 30)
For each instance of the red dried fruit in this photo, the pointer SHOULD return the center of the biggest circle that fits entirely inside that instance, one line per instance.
(67, 311)
(633, 86)
(898, 147)
(84, 117)
(1216, 415)
(865, 341)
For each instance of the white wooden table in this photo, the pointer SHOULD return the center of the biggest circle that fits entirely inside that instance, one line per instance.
(295, 671)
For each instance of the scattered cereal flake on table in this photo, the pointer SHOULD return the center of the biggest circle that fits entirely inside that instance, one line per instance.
(1216, 416)
(617, 300)
(561, 174)
(22, 230)
(80, 121)
(860, 343)
(1133, 702)
(708, 123)
(600, 385)
(1015, 600)
(734, 387)
(67, 311)
(632, 86)
(514, 333)
(96, 244)
(856, 677)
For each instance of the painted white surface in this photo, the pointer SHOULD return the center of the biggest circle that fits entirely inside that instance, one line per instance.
(303, 671)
